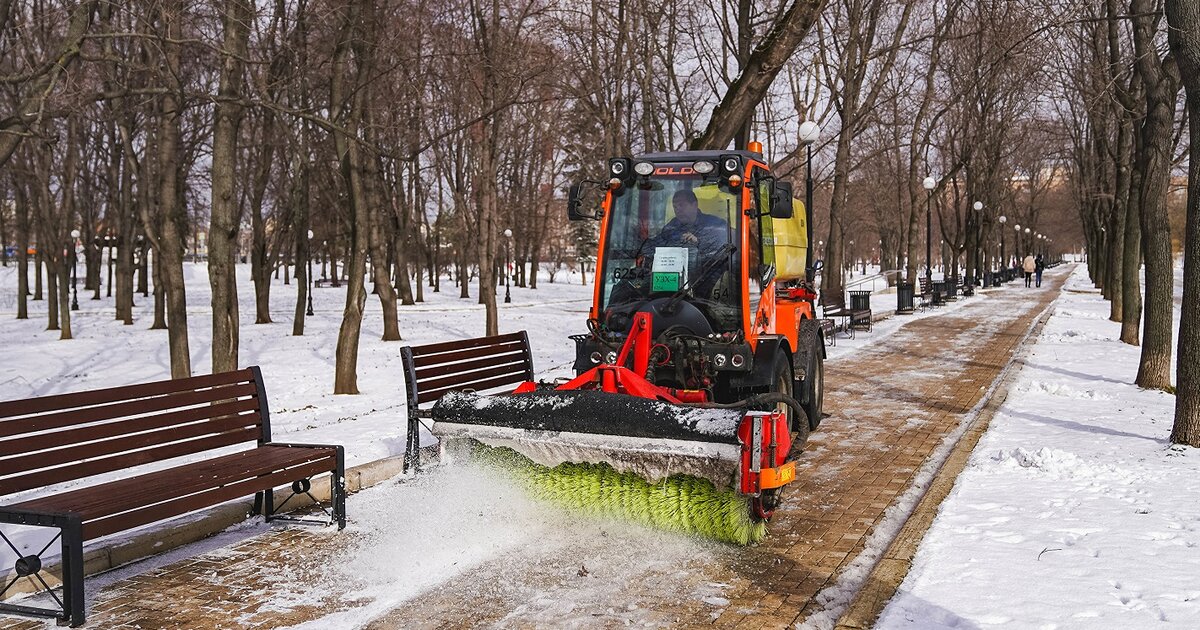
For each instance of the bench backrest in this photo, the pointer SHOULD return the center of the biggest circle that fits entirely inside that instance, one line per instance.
(53, 439)
(924, 283)
(481, 364)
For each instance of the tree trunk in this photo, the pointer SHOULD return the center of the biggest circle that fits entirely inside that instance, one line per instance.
(38, 262)
(22, 255)
(1184, 36)
(174, 215)
(351, 162)
(1131, 258)
(303, 249)
(224, 213)
(1161, 82)
(378, 244)
(53, 303)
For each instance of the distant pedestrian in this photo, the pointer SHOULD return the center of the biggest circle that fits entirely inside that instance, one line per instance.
(1039, 265)
(1029, 265)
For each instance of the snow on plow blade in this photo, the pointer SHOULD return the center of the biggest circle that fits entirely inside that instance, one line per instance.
(651, 439)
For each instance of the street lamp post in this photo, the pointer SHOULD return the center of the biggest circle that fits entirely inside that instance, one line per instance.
(308, 256)
(74, 271)
(1017, 247)
(809, 133)
(1003, 259)
(978, 253)
(507, 254)
(929, 184)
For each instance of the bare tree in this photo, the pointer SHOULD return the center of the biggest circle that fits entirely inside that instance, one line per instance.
(1183, 19)
(225, 217)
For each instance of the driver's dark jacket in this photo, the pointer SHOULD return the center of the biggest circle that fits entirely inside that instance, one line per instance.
(711, 233)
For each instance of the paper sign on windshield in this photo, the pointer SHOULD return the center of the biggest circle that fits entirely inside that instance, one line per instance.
(669, 272)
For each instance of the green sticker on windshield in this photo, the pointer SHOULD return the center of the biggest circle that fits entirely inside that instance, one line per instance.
(665, 281)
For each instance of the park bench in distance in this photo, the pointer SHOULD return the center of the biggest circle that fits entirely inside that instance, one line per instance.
(69, 437)
(471, 365)
(835, 306)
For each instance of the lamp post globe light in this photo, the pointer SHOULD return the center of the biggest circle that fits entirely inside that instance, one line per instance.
(507, 255)
(810, 132)
(930, 183)
(310, 278)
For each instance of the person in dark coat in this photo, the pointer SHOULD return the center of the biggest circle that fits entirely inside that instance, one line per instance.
(1039, 266)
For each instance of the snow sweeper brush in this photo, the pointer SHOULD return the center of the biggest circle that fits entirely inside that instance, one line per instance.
(706, 470)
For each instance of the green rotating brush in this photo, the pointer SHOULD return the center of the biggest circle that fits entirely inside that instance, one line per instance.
(678, 503)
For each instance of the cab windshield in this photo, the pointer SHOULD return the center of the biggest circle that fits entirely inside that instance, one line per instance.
(674, 234)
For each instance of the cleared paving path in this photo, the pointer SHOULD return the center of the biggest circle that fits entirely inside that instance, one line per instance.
(891, 405)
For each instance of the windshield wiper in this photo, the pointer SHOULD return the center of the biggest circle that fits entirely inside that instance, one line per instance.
(707, 269)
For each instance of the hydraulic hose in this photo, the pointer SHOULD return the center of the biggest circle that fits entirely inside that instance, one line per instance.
(769, 398)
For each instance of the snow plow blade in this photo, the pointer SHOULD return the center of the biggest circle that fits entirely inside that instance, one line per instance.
(651, 439)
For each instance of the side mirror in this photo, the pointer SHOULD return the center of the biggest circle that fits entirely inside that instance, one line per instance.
(576, 197)
(781, 200)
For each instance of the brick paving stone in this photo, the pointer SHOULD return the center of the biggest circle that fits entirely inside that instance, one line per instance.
(890, 406)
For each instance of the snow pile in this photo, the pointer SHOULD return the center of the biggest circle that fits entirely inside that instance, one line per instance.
(1074, 511)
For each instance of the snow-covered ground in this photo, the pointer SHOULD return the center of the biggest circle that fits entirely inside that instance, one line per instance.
(1074, 510)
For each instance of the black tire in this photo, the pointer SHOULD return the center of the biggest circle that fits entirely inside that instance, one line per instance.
(813, 396)
(782, 383)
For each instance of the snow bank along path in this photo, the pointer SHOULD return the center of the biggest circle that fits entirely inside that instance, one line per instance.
(1074, 511)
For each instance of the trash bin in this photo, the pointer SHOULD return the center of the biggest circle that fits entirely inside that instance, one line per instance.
(860, 300)
(950, 289)
(904, 297)
(938, 293)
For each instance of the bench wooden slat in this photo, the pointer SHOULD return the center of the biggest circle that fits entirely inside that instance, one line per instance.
(100, 396)
(424, 360)
(108, 464)
(42, 441)
(198, 501)
(125, 443)
(423, 374)
(515, 370)
(123, 409)
(435, 348)
(123, 494)
(479, 386)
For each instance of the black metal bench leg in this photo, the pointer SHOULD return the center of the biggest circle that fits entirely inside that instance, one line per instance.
(268, 505)
(412, 449)
(338, 489)
(72, 572)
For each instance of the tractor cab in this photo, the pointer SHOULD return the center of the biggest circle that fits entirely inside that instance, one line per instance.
(688, 238)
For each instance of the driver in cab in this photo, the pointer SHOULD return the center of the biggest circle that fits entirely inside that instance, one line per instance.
(692, 228)
(695, 230)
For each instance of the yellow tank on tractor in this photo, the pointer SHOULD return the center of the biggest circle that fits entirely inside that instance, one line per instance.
(702, 356)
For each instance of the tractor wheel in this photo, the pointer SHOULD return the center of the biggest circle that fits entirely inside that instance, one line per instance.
(781, 383)
(813, 396)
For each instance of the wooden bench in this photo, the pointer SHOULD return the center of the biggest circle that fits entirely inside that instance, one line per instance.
(483, 364)
(827, 330)
(73, 437)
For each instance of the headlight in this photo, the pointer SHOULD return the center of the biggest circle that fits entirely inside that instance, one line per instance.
(617, 168)
(704, 168)
(595, 357)
(731, 165)
(610, 358)
(738, 360)
(720, 360)
(643, 168)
